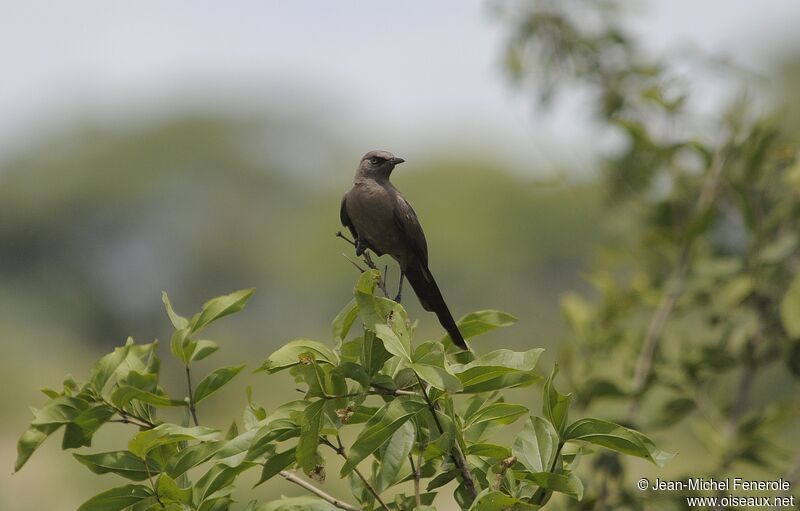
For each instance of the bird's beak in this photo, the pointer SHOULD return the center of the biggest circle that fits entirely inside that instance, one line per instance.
(396, 161)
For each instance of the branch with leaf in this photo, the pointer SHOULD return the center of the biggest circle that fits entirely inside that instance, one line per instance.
(419, 416)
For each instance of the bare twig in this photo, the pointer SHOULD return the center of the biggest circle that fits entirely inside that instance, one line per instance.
(368, 261)
(359, 268)
(289, 476)
(344, 237)
(458, 457)
(386, 391)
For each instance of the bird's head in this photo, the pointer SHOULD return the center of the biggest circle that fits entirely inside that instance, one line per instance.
(378, 164)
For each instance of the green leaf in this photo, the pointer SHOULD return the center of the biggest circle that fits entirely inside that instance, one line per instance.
(373, 353)
(219, 307)
(297, 352)
(617, 438)
(790, 308)
(310, 426)
(106, 366)
(297, 504)
(116, 498)
(202, 349)
(778, 250)
(214, 381)
(164, 434)
(431, 366)
(438, 377)
(385, 318)
(344, 320)
(178, 321)
(181, 346)
(499, 501)
(191, 456)
(555, 405)
(498, 370)
(380, 429)
(276, 463)
(124, 394)
(30, 440)
(123, 463)
(732, 292)
(80, 431)
(217, 483)
(46, 421)
(169, 491)
(394, 455)
(497, 413)
(121, 362)
(480, 322)
(562, 483)
(488, 451)
(536, 445)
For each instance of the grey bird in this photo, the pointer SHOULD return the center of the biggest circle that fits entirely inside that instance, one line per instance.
(381, 220)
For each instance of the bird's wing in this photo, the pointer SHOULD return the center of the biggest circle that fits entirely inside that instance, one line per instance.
(407, 222)
(345, 218)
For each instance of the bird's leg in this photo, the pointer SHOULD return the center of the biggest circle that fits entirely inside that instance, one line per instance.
(399, 296)
(361, 247)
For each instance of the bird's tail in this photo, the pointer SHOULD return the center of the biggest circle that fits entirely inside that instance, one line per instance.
(431, 299)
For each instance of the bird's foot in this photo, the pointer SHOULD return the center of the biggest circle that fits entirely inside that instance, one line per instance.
(399, 296)
(361, 247)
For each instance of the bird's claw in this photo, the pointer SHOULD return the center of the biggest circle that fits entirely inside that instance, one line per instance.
(361, 247)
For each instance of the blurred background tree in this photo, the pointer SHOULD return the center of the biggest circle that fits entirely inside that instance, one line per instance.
(100, 214)
(694, 329)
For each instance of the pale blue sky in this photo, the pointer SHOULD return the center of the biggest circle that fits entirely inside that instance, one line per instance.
(405, 75)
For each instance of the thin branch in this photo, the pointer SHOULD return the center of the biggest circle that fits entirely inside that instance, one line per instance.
(344, 237)
(386, 391)
(192, 407)
(655, 329)
(152, 485)
(415, 471)
(316, 491)
(458, 457)
(359, 268)
(368, 261)
(129, 418)
(339, 449)
(545, 493)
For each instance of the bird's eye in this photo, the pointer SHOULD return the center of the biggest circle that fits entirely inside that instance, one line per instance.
(375, 160)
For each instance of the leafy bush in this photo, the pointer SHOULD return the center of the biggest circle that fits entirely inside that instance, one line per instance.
(696, 329)
(423, 412)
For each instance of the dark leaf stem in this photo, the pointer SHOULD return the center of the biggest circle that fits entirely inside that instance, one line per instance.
(546, 493)
(340, 450)
(192, 407)
(456, 454)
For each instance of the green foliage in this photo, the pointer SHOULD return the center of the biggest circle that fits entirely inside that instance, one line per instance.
(415, 411)
(695, 327)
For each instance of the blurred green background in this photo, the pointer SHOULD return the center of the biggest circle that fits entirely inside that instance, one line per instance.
(154, 151)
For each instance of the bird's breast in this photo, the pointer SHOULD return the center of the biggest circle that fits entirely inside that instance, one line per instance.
(371, 210)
